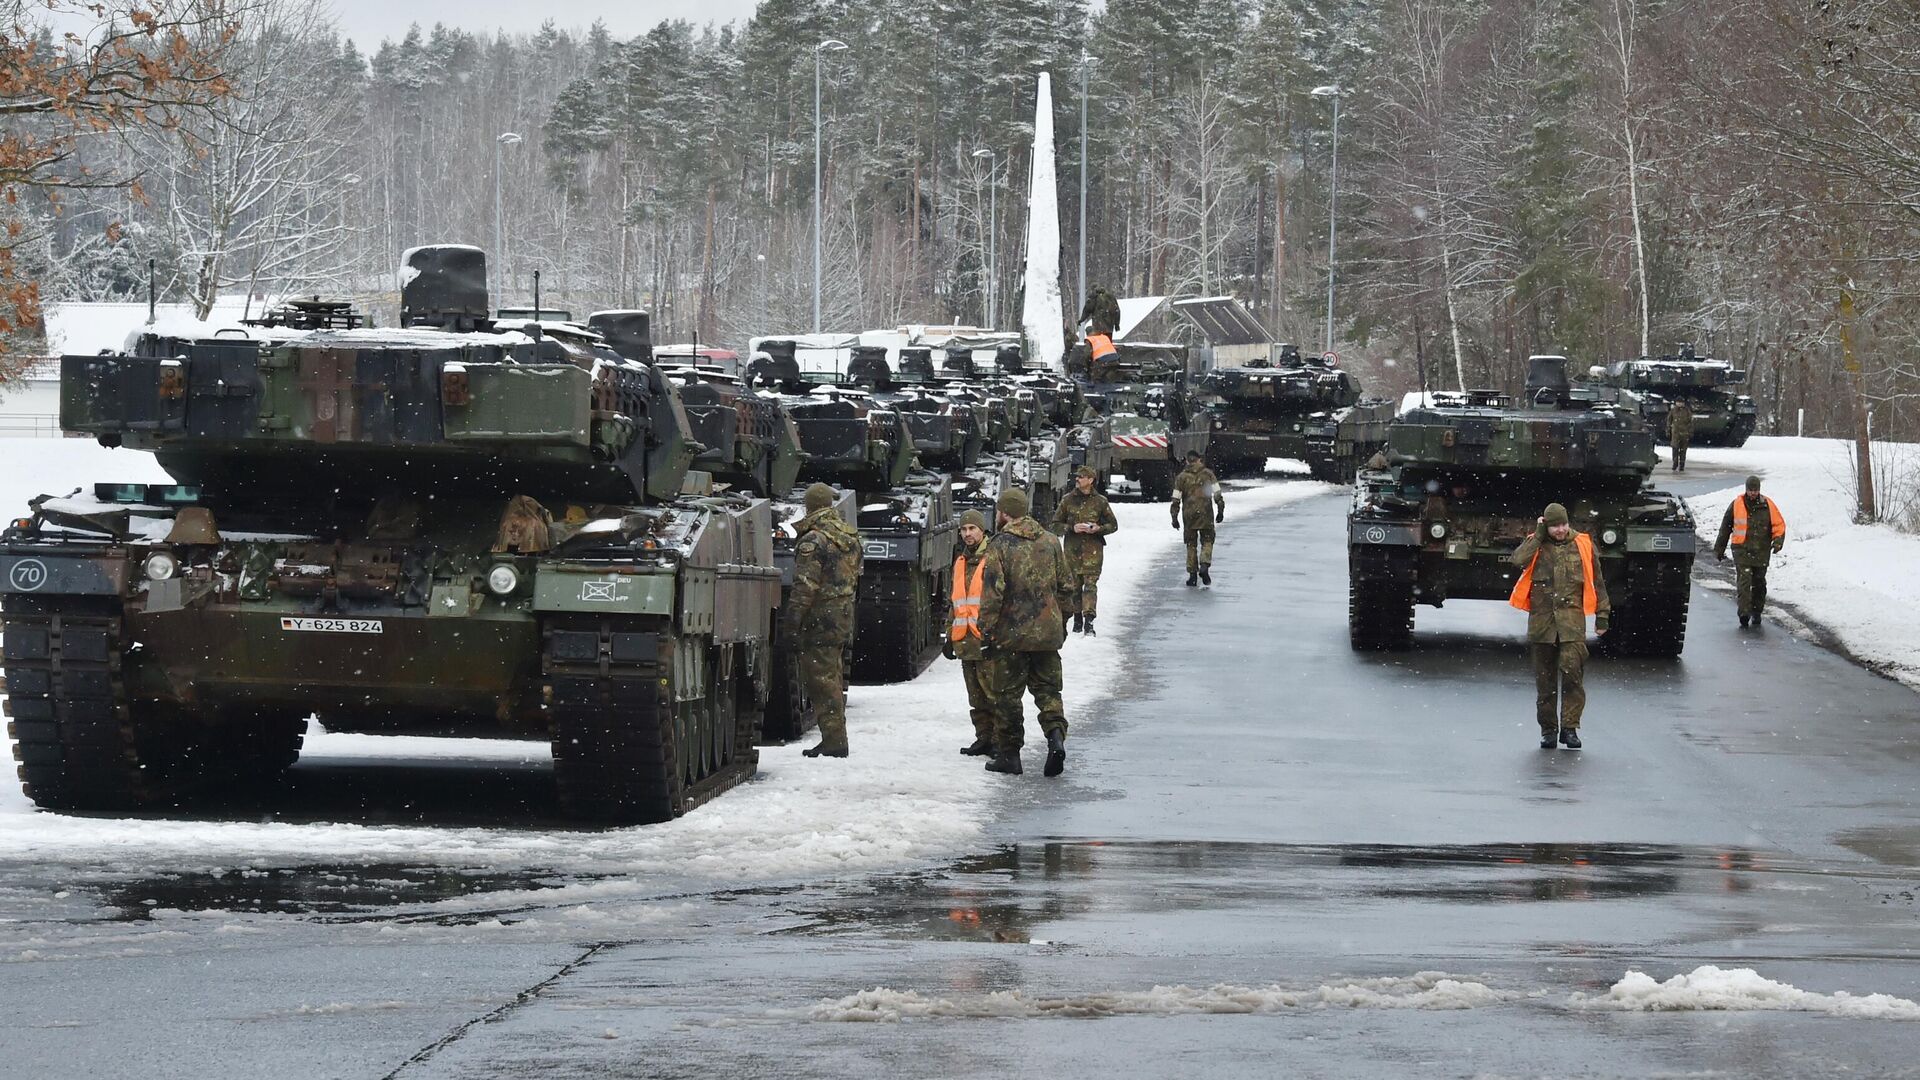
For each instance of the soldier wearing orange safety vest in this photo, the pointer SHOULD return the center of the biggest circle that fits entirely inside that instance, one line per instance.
(1757, 530)
(1559, 588)
(963, 641)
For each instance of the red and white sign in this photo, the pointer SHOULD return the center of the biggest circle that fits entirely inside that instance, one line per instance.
(1141, 441)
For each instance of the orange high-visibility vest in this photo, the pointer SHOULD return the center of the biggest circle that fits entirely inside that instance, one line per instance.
(966, 599)
(1522, 597)
(1740, 520)
(1101, 345)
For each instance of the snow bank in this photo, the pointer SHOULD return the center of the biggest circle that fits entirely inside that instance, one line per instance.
(904, 796)
(1424, 990)
(1857, 581)
(1711, 989)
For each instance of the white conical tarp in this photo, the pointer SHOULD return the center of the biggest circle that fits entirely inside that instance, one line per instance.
(1041, 317)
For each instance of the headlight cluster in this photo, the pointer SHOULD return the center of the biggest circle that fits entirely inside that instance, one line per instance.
(161, 566)
(1437, 530)
(502, 580)
(1610, 536)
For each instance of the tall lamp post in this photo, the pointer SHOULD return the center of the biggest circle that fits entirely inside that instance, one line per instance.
(827, 46)
(993, 222)
(505, 138)
(1333, 201)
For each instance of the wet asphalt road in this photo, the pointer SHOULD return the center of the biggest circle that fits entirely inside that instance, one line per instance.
(1259, 806)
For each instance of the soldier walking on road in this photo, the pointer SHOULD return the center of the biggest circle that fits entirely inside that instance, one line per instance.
(1757, 530)
(1084, 521)
(1679, 433)
(1561, 586)
(1023, 589)
(963, 641)
(819, 617)
(1193, 490)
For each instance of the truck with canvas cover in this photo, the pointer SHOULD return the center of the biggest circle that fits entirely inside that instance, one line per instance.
(439, 527)
(1464, 483)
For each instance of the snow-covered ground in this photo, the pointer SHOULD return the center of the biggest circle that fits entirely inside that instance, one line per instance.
(903, 797)
(1860, 582)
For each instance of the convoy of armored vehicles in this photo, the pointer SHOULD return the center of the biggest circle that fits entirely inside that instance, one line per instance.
(530, 526)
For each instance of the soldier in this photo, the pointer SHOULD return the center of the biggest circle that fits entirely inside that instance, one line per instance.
(963, 641)
(1679, 433)
(1757, 530)
(1561, 586)
(1101, 312)
(1024, 587)
(1084, 521)
(1193, 489)
(819, 618)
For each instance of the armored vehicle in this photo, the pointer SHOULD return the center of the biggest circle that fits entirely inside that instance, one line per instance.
(437, 527)
(906, 517)
(1141, 392)
(1721, 416)
(1464, 485)
(1292, 406)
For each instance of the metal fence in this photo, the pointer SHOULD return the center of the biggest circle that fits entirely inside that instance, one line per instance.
(29, 426)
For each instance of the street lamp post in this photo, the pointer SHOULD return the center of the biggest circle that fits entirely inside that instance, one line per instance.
(505, 138)
(1333, 200)
(993, 222)
(827, 46)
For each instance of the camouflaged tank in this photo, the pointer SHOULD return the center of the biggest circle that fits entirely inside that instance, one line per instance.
(437, 527)
(908, 524)
(1151, 420)
(1721, 416)
(1293, 406)
(1464, 485)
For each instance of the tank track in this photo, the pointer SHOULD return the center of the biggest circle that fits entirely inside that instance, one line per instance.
(902, 613)
(789, 714)
(75, 738)
(626, 748)
(1380, 583)
(1650, 616)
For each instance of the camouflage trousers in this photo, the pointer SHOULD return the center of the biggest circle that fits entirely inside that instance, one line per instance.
(1084, 576)
(1680, 456)
(823, 673)
(979, 705)
(1199, 546)
(1005, 677)
(1751, 581)
(1559, 672)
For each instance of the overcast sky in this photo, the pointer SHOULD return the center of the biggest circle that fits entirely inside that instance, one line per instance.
(368, 21)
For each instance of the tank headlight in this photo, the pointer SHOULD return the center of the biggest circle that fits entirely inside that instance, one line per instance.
(1610, 536)
(1437, 530)
(161, 566)
(502, 580)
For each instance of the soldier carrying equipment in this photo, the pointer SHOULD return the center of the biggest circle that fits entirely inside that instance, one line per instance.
(819, 619)
(1193, 489)
(1559, 588)
(1757, 530)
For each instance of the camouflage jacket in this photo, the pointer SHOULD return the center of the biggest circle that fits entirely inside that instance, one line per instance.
(968, 648)
(1102, 311)
(1679, 423)
(1024, 590)
(1554, 605)
(1089, 509)
(826, 573)
(1760, 545)
(1193, 490)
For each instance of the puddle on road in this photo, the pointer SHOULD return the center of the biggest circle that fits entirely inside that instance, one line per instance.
(340, 890)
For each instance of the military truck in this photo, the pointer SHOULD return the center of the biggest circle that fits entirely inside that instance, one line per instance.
(906, 517)
(1293, 406)
(436, 527)
(1141, 392)
(1464, 485)
(1721, 416)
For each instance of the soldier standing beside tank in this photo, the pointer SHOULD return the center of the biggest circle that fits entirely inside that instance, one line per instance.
(1560, 586)
(1757, 530)
(819, 618)
(1193, 490)
(1679, 433)
(1084, 521)
(1024, 586)
(963, 641)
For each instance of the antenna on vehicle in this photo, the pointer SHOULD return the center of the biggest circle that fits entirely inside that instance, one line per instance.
(536, 305)
(152, 291)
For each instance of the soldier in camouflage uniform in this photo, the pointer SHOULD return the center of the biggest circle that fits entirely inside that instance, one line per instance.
(963, 642)
(1757, 529)
(1101, 312)
(819, 617)
(1024, 588)
(1560, 585)
(1680, 433)
(1084, 521)
(1193, 490)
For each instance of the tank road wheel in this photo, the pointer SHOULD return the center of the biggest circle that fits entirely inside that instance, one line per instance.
(1650, 614)
(632, 741)
(1380, 583)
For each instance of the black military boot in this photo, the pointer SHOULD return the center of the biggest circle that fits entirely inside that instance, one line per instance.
(1079, 621)
(1089, 628)
(1546, 740)
(980, 747)
(823, 750)
(1056, 754)
(1006, 761)
(1743, 620)
(1206, 575)
(1193, 578)
(1570, 738)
